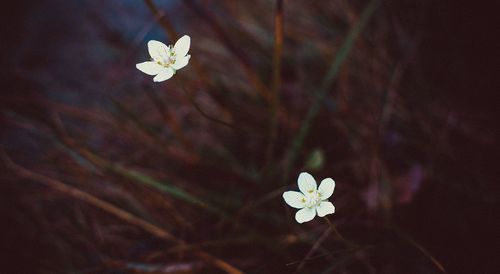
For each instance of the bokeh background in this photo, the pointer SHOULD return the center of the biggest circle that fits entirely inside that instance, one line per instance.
(104, 171)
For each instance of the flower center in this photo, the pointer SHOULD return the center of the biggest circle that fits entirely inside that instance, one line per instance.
(167, 57)
(312, 200)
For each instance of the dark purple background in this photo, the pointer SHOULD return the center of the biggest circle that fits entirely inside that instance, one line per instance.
(58, 45)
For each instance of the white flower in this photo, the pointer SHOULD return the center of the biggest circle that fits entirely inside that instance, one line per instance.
(166, 60)
(311, 199)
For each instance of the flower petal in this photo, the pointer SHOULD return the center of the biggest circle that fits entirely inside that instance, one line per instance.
(181, 47)
(165, 74)
(307, 184)
(150, 68)
(295, 199)
(157, 50)
(305, 215)
(324, 208)
(181, 62)
(325, 189)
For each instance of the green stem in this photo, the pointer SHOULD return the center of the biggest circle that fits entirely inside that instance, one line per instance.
(329, 78)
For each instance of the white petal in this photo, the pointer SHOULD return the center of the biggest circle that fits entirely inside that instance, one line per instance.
(324, 208)
(325, 189)
(307, 184)
(305, 215)
(165, 74)
(181, 47)
(157, 50)
(181, 62)
(295, 199)
(150, 68)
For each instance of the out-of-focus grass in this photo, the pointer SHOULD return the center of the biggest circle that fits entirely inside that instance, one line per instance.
(207, 155)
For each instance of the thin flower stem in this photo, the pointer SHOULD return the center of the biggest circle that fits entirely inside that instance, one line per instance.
(170, 119)
(337, 234)
(201, 111)
(276, 84)
(198, 108)
(315, 247)
(328, 80)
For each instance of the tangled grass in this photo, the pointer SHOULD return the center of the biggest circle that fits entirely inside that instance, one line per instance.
(186, 176)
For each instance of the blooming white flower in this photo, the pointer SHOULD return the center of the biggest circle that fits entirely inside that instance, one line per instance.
(166, 60)
(311, 199)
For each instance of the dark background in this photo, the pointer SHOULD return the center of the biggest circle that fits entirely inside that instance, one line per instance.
(455, 219)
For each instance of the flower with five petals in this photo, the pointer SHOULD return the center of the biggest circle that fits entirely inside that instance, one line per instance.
(311, 200)
(166, 60)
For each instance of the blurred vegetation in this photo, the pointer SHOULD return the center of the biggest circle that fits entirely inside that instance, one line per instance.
(186, 176)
